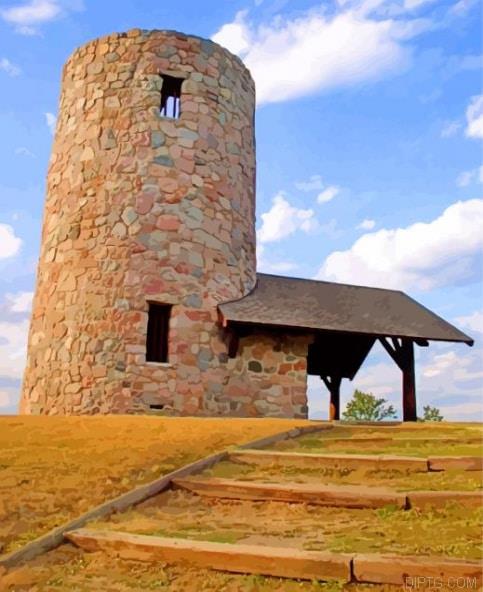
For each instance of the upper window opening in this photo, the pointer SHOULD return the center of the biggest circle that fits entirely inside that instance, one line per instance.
(158, 332)
(171, 97)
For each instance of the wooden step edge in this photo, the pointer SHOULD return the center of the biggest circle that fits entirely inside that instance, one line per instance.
(285, 562)
(418, 573)
(342, 496)
(398, 440)
(408, 463)
(238, 558)
(433, 463)
(463, 463)
(438, 499)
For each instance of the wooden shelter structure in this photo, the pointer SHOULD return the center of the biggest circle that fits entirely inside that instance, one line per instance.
(344, 322)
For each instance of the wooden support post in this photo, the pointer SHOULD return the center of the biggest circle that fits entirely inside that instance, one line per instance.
(333, 384)
(409, 382)
(402, 352)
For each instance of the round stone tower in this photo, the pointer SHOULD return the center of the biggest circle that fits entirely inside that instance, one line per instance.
(150, 201)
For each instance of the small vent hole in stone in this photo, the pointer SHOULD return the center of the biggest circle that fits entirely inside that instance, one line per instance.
(171, 97)
(157, 407)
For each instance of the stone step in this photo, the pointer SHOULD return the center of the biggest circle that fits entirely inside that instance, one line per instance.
(249, 559)
(315, 460)
(412, 572)
(343, 496)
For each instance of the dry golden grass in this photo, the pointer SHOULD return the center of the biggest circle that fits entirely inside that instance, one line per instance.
(54, 468)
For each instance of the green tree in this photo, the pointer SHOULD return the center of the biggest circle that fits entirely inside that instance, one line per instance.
(366, 407)
(432, 414)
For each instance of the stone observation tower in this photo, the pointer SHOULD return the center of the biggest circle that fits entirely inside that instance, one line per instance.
(149, 224)
(147, 296)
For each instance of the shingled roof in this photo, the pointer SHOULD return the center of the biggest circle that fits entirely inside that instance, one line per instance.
(309, 304)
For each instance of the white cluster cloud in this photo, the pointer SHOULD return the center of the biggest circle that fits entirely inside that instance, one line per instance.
(367, 224)
(414, 4)
(439, 364)
(9, 243)
(28, 17)
(283, 219)
(236, 35)
(469, 177)
(474, 321)
(328, 194)
(463, 6)
(4, 397)
(51, 121)
(267, 264)
(24, 151)
(21, 302)
(452, 372)
(314, 183)
(13, 344)
(445, 251)
(316, 51)
(450, 129)
(9, 68)
(474, 117)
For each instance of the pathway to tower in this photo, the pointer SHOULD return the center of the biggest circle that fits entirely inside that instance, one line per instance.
(372, 505)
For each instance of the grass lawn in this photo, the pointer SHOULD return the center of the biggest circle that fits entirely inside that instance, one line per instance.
(419, 439)
(53, 469)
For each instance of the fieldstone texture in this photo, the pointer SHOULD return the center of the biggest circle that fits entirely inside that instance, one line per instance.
(142, 208)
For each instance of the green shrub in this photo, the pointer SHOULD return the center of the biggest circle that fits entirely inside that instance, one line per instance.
(366, 407)
(432, 414)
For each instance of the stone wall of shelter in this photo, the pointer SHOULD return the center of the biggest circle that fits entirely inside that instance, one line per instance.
(268, 377)
(141, 208)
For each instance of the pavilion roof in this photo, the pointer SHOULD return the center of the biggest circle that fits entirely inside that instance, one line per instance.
(309, 304)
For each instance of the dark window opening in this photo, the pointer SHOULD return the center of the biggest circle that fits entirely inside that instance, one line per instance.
(171, 97)
(157, 407)
(158, 332)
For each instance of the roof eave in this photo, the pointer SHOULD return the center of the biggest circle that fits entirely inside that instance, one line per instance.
(226, 321)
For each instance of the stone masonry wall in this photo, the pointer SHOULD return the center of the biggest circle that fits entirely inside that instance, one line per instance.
(143, 208)
(269, 376)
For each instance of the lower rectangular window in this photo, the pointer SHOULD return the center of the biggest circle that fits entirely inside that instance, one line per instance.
(158, 332)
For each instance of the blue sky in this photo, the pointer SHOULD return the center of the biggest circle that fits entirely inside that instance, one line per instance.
(369, 128)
